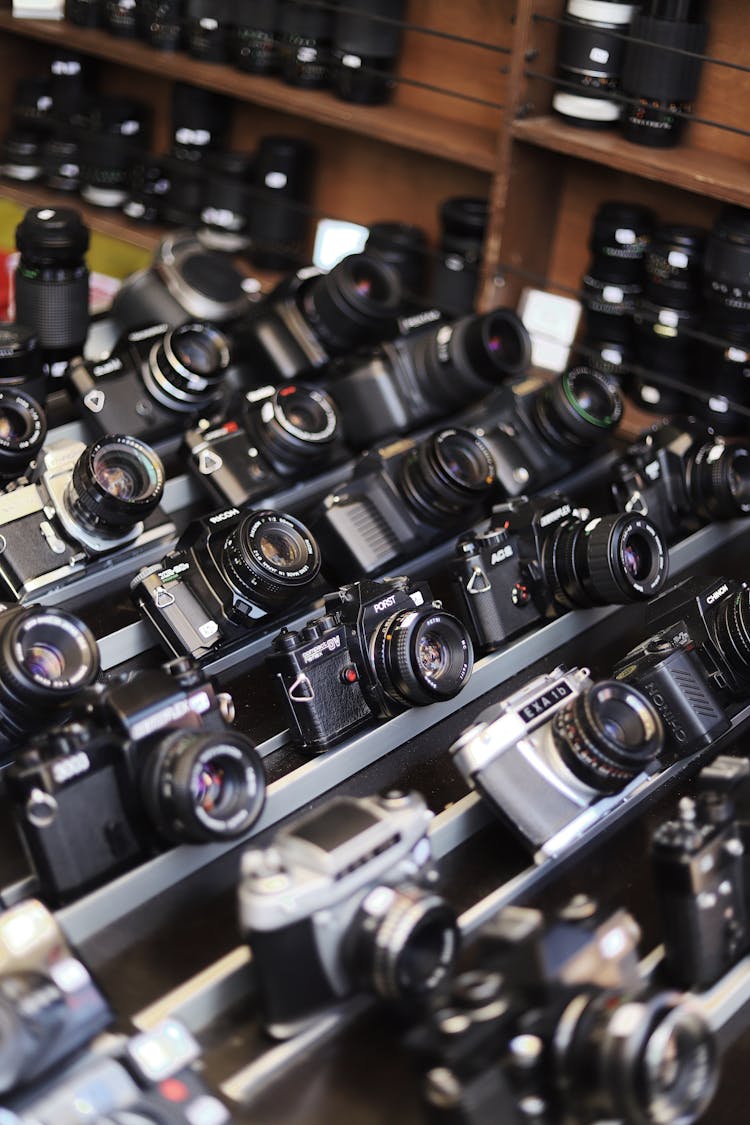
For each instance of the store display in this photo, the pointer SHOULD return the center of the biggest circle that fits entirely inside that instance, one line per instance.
(590, 57)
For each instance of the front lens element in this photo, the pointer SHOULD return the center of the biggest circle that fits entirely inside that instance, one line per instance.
(23, 428)
(578, 409)
(283, 548)
(298, 425)
(354, 303)
(270, 557)
(46, 654)
(185, 369)
(718, 481)
(116, 482)
(446, 473)
(422, 656)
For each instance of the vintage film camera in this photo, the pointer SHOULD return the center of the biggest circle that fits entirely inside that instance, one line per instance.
(155, 381)
(343, 902)
(557, 1025)
(152, 1077)
(50, 1006)
(558, 754)
(228, 572)
(378, 648)
(403, 498)
(683, 477)
(697, 663)
(275, 437)
(86, 506)
(540, 556)
(147, 760)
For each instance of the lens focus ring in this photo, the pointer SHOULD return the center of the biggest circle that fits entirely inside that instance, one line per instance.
(116, 482)
(270, 556)
(422, 656)
(45, 654)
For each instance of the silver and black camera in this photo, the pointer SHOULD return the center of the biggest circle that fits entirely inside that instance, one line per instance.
(558, 754)
(85, 506)
(343, 902)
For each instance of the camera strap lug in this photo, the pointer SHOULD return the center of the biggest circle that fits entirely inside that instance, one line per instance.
(162, 598)
(301, 691)
(478, 576)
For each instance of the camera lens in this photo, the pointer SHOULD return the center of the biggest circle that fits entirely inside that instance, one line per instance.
(45, 656)
(279, 217)
(364, 43)
(22, 155)
(162, 23)
(23, 428)
(271, 556)
(578, 409)
(199, 120)
(727, 266)
(464, 221)
(718, 481)
(297, 425)
(85, 13)
(207, 29)
(651, 1061)
(404, 247)
(607, 734)
(116, 482)
(61, 157)
(606, 561)
(674, 266)
(422, 656)
(186, 367)
(354, 303)
(256, 36)
(407, 947)
(305, 43)
(589, 60)
(21, 365)
(665, 347)
(199, 787)
(121, 18)
(733, 633)
(447, 472)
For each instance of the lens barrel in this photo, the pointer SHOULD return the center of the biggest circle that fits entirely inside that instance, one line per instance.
(733, 634)
(23, 428)
(279, 217)
(448, 472)
(46, 657)
(354, 303)
(255, 45)
(422, 656)
(404, 247)
(463, 220)
(578, 409)
(117, 481)
(297, 425)
(270, 556)
(305, 44)
(365, 49)
(727, 266)
(590, 56)
(186, 367)
(718, 481)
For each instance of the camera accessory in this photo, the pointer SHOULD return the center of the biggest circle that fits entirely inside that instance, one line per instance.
(122, 18)
(207, 29)
(21, 366)
(61, 158)
(21, 155)
(575, 409)
(67, 88)
(353, 303)
(186, 366)
(199, 120)
(463, 221)
(404, 247)
(661, 70)
(589, 59)
(52, 282)
(365, 49)
(117, 481)
(256, 35)
(305, 43)
(105, 164)
(147, 185)
(726, 285)
(182, 200)
(620, 236)
(227, 201)
(279, 216)
(268, 555)
(674, 266)
(162, 23)
(665, 346)
(447, 472)
(85, 13)
(296, 424)
(32, 104)
(726, 355)
(23, 429)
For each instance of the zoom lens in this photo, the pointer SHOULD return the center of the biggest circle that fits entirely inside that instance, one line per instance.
(449, 471)
(607, 734)
(185, 368)
(297, 425)
(578, 409)
(422, 656)
(718, 481)
(366, 43)
(650, 1061)
(733, 634)
(406, 950)
(464, 221)
(727, 266)
(674, 266)
(589, 61)
(202, 787)
(356, 302)
(46, 657)
(609, 560)
(23, 428)
(116, 482)
(271, 557)
(665, 347)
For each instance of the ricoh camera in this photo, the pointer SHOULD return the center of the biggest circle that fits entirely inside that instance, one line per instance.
(50, 1006)
(430, 370)
(378, 648)
(404, 498)
(276, 437)
(312, 316)
(557, 1025)
(541, 556)
(143, 761)
(229, 572)
(152, 1077)
(342, 902)
(697, 663)
(684, 477)
(155, 381)
(85, 507)
(557, 755)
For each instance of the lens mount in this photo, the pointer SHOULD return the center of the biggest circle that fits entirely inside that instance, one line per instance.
(185, 368)
(271, 556)
(446, 472)
(203, 786)
(422, 656)
(116, 482)
(579, 408)
(23, 428)
(607, 734)
(718, 481)
(297, 424)
(354, 302)
(46, 654)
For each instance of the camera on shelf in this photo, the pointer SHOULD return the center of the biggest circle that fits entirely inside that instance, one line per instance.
(558, 754)
(155, 382)
(50, 1006)
(541, 556)
(229, 572)
(378, 648)
(150, 1077)
(404, 498)
(683, 477)
(698, 661)
(142, 761)
(429, 371)
(557, 1024)
(86, 506)
(274, 437)
(312, 316)
(342, 902)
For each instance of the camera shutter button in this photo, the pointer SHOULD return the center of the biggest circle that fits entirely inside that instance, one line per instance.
(310, 633)
(286, 640)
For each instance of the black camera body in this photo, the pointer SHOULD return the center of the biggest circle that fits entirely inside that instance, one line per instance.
(228, 572)
(154, 382)
(144, 761)
(540, 556)
(378, 648)
(403, 498)
(697, 662)
(683, 477)
(274, 437)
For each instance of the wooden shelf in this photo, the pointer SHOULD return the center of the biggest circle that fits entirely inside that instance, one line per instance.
(698, 170)
(456, 141)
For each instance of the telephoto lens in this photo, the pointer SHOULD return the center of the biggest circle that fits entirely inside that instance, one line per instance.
(199, 121)
(279, 216)
(404, 247)
(162, 23)
(366, 43)
(463, 220)
(85, 13)
(67, 87)
(255, 44)
(666, 349)
(207, 29)
(662, 70)
(227, 201)
(305, 43)
(21, 364)
(620, 235)
(589, 61)
(23, 428)
(122, 18)
(52, 282)
(674, 266)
